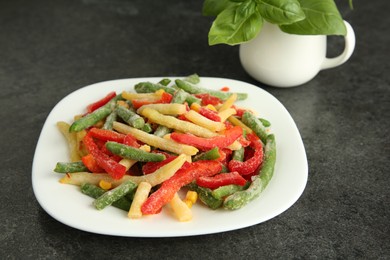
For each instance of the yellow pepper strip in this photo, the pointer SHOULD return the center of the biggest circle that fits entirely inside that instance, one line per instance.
(155, 178)
(180, 209)
(202, 121)
(166, 109)
(140, 197)
(225, 114)
(156, 141)
(237, 122)
(228, 102)
(71, 138)
(174, 123)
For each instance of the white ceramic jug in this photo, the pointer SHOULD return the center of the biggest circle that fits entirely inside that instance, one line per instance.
(279, 59)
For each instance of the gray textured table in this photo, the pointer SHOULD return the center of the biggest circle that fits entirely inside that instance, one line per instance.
(50, 48)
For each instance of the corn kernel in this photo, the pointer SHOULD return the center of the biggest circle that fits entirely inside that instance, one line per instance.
(188, 203)
(211, 107)
(195, 107)
(159, 92)
(122, 103)
(191, 196)
(105, 185)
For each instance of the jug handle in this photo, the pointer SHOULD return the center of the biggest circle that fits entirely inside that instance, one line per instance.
(348, 50)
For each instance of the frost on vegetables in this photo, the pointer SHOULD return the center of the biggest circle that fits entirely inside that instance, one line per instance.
(139, 150)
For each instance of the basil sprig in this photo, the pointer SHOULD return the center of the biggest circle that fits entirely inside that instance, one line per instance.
(238, 21)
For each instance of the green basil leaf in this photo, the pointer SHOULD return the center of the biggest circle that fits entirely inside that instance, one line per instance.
(214, 7)
(322, 18)
(281, 11)
(236, 24)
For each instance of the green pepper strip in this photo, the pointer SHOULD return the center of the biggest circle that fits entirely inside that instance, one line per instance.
(211, 154)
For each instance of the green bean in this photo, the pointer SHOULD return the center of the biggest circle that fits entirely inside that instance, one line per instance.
(130, 117)
(224, 169)
(149, 87)
(133, 153)
(211, 154)
(238, 155)
(227, 190)
(194, 78)
(147, 128)
(113, 195)
(95, 192)
(164, 82)
(112, 103)
(110, 120)
(265, 122)
(205, 195)
(162, 130)
(259, 182)
(180, 96)
(90, 119)
(192, 89)
(65, 167)
(255, 124)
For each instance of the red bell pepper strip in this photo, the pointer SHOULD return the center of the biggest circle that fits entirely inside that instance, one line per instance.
(131, 141)
(244, 142)
(107, 135)
(210, 114)
(251, 164)
(91, 164)
(222, 179)
(113, 168)
(92, 107)
(188, 173)
(221, 141)
(239, 111)
(165, 98)
(208, 99)
(151, 167)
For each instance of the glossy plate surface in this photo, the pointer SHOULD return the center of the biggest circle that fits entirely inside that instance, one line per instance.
(68, 205)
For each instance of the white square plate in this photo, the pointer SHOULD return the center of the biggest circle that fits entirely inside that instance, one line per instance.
(68, 205)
